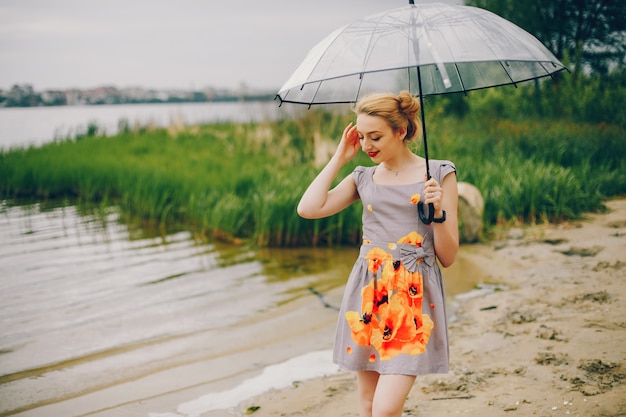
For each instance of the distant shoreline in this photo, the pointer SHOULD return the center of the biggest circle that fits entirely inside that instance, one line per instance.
(217, 100)
(24, 95)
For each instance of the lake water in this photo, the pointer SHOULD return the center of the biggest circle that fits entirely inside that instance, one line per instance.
(88, 303)
(21, 127)
(89, 300)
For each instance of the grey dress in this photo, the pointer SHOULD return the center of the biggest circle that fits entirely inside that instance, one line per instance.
(393, 314)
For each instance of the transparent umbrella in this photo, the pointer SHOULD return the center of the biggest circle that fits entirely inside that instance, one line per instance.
(427, 49)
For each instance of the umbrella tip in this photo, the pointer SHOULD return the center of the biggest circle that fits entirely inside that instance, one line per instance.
(411, 2)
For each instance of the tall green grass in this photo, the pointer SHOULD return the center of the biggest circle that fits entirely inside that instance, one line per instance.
(533, 171)
(243, 181)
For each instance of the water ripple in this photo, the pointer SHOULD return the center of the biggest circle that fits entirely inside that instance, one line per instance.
(86, 304)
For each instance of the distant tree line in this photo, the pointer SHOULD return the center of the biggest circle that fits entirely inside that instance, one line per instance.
(588, 34)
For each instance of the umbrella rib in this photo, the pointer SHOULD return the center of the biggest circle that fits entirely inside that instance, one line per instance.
(366, 56)
(550, 73)
(358, 90)
(458, 73)
(315, 94)
(507, 74)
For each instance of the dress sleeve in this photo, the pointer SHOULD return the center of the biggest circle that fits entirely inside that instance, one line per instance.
(444, 168)
(358, 174)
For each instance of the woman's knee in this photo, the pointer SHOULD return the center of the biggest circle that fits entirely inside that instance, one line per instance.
(386, 409)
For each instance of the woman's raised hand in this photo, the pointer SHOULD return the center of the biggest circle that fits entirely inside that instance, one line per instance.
(349, 145)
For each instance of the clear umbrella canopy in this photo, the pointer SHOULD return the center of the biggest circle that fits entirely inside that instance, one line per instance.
(427, 49)
(451, 49)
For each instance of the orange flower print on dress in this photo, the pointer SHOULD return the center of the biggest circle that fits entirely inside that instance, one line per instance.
(422, 323)
(375, 294)
(395, 328)
(375, 258)
(391, 320)
(412, 238)
(417, 345)
(388, 275)
(411, 282)
(361, 326)
(415, 198)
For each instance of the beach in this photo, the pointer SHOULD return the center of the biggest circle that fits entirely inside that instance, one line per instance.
(546, 338)
(544, 334)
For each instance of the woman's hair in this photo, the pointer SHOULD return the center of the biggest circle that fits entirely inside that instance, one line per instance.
(399, 111)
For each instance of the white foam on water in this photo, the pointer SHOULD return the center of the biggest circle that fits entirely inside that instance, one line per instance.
(164, 415)
(282, 375)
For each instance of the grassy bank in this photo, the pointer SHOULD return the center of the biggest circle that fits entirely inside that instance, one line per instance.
(243, 181)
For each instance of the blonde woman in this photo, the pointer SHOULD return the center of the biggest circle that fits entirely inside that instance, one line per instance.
(392, 323)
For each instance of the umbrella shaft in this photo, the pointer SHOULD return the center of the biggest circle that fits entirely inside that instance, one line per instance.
(419, 84)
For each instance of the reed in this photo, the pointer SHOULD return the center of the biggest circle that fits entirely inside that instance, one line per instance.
(532, 171)
(242, 182)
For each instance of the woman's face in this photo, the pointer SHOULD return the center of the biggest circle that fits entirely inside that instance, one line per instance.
(377, 138)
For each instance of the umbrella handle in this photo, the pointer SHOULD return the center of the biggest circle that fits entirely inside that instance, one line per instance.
(431, 213)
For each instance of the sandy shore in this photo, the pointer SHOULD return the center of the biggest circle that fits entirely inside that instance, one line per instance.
(549, 341)
(545, 337)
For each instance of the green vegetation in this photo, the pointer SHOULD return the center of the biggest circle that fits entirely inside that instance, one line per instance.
(539, 153)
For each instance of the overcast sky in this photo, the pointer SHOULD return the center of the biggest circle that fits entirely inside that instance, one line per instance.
(166, 44)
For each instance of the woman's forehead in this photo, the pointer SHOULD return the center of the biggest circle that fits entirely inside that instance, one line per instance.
(366, 123)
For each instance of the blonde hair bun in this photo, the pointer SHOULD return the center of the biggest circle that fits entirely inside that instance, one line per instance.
(398, 110)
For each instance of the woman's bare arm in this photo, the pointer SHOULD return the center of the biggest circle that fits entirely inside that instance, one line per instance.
(319, 200)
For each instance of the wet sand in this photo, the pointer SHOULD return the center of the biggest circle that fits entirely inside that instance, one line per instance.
(546, 337)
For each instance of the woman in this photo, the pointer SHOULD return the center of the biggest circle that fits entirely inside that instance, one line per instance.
(392, 323)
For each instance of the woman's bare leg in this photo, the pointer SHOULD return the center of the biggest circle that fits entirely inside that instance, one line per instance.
(390, 396)
(366, 385)
(382, 395)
